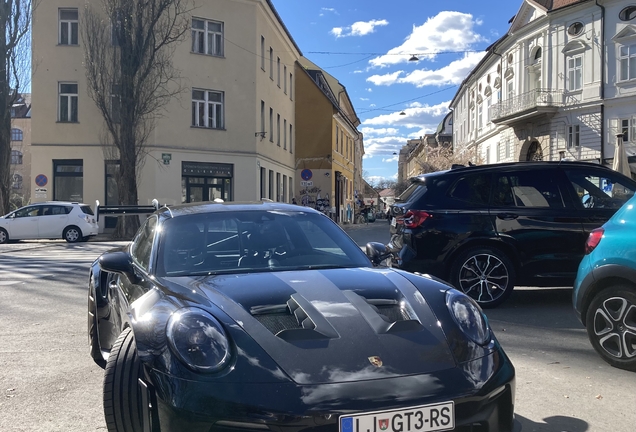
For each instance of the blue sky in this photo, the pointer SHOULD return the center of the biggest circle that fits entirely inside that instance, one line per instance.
(366, 44)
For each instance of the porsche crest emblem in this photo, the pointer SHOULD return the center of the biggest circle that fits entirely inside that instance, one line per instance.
(375, 361)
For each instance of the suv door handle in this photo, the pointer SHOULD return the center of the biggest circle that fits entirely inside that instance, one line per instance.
(507, 216)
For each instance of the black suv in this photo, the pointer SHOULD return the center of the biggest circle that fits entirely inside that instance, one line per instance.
(487, 228)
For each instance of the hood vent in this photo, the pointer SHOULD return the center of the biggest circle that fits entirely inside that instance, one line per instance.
(298, 319)
(386, 315)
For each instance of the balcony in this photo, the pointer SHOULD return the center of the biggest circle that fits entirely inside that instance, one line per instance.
(526, 106)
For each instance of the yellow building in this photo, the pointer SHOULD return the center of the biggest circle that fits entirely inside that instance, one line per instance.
(329, 145)
(230, 134)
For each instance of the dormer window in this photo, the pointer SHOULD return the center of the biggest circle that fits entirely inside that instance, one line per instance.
(576, 29)
(628, 14)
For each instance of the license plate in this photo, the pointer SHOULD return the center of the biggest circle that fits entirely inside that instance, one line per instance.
(393, 222)
(425, 418)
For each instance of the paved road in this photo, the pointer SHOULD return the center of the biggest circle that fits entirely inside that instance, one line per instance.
(50, 384)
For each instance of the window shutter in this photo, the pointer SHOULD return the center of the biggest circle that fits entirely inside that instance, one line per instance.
(632, 124)
(612, 131)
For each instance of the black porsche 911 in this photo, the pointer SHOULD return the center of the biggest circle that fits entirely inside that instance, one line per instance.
(268, 317)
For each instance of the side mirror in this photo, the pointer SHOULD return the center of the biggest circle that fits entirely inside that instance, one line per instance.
(376, 252)
(118, 262)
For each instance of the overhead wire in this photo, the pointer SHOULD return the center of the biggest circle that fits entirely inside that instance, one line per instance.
(372, 54)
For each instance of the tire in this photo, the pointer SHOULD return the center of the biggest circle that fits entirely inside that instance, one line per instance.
(93, 334)
(485, 274)
(611, 326)
(4, 236)
(122, 398)
(72, 234)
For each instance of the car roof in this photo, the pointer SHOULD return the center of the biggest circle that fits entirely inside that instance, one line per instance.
(213, 207)
(505, 165)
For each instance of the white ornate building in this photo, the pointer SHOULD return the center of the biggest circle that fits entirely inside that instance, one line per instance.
(560, 84)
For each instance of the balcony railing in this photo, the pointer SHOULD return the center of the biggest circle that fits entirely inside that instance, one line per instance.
(537, 100)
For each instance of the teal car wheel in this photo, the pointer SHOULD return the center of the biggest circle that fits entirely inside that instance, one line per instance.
(611, 326)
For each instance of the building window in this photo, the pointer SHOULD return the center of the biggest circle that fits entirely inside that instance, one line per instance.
(337, 137)
(628, 14)
(271, 63)
(628, 129)
(278, 129)
(263, 182)
(291, 86)
(262, 131)
(290, 138)
(16, 134)
(284, 195)
(68, 102)
(573, 136)
(575, 72)
(480, 117)
(68, 180)
(278, 188)
(271, 184)
(16, 157)
(17, 181)
(271, 124)
(278, 71)
(207, 37)
(510, 89)
(68, 27)
(488, 103)
(263, 52)
(207, 109)
(285, 79)
(487, 155)
(285, 134)
(627, 61)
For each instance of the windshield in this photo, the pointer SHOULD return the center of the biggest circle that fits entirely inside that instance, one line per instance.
(253, 241)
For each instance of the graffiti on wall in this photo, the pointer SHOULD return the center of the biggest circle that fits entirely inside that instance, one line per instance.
(312, 197)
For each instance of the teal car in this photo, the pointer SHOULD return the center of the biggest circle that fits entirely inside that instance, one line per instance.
(604, 295)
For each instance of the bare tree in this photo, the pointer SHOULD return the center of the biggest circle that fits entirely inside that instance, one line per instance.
(442, 157)
(15, 45)
(129, 45)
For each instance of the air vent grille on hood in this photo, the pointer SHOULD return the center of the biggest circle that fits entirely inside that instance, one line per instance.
(298, 319)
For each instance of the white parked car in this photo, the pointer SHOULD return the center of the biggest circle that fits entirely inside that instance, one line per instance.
(49, 220)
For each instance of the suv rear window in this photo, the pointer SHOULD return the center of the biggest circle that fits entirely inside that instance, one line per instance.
(87, 210)
(413, 192)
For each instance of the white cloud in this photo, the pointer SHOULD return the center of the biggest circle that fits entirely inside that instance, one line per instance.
(358, 71)
(392, 159)
(369, 89)
(424, 116)
(385, 146)
(368, 131)
(332, 10)
(359, 28)
(386, 79)
(453, 73)
(447, 31)
(364, 99)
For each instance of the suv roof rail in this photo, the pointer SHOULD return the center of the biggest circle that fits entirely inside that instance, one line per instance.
(455, 166)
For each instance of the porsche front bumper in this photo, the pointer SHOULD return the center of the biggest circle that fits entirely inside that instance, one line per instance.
(482, 390)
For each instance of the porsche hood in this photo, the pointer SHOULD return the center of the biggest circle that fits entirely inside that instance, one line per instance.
(339, 325)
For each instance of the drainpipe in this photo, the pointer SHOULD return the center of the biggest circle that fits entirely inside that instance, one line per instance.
(602, 82)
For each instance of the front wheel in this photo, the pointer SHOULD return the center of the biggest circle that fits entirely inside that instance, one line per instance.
(611, 326)
(4, 236)
(485, 274)
(72, 234)
(122, 398)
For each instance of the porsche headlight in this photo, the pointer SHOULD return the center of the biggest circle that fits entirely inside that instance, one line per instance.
(198, 340)
(468, 316)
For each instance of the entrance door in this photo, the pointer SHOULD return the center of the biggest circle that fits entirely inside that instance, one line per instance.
(206, 189)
